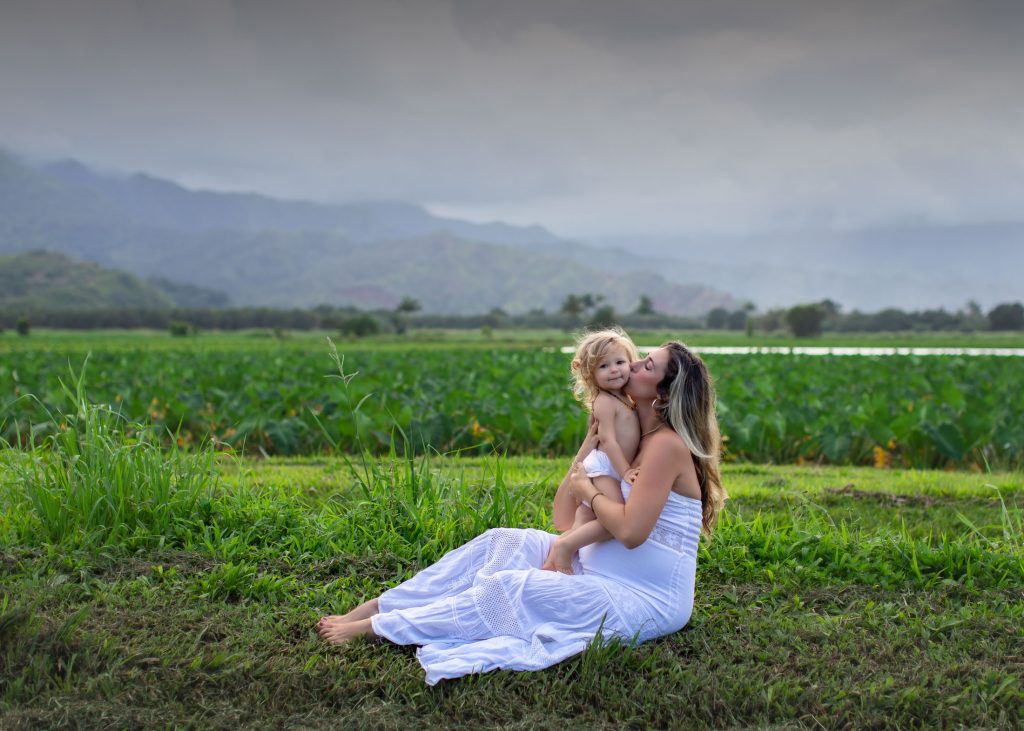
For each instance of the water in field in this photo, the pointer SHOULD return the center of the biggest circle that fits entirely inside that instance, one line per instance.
(821, 350)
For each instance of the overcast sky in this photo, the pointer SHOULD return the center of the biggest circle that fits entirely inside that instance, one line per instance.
(589, 117)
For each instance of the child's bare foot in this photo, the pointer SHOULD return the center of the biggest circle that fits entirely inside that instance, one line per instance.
(363, 611)
(560, 558)
(338, 633)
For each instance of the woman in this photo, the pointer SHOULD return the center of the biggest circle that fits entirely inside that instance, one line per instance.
(488, 604)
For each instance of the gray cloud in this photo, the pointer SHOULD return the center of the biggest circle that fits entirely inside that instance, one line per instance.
(591, 117)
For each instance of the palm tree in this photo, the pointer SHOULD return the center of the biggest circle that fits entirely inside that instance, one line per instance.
(646, 306)
(408, 304)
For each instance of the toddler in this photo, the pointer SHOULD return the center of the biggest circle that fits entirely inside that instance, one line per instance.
(600, 370)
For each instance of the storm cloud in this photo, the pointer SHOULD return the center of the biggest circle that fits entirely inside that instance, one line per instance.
(590, 117)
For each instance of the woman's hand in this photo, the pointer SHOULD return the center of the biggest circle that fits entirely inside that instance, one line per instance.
(590, 441)
(563, 508)
(580, 486)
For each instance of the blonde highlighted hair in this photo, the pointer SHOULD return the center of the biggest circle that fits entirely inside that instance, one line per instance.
(686, 402)
(590, 348)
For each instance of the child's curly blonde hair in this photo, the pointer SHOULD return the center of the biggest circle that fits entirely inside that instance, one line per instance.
(590, 348)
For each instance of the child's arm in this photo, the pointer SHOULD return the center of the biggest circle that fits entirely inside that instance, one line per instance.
(604, 412)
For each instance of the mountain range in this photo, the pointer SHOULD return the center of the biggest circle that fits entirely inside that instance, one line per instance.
(259, 250)
(262, 251)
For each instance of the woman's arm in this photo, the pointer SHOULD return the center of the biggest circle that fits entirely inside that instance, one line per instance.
(563, 509)
(604, 411)
(632, 522)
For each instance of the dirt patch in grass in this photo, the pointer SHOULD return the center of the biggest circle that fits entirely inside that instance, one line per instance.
(886, 498)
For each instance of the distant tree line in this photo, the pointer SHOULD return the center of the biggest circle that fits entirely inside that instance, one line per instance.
(577, 311)
(811, 319)
(204, 318)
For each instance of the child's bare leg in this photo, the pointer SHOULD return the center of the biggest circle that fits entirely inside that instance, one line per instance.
(582, 533)
(609, 487)
(583, 516)
(560, 556)
(567, 544)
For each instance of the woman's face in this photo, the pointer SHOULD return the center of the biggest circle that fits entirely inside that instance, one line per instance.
(646, 374)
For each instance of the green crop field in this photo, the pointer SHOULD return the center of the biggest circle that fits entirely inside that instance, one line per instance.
(527, 338)
(153, 577)
(262, 397)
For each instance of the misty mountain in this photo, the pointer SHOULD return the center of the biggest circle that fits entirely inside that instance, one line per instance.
(260, 251)
(909, 266)
(447, 274)
(149, 201)
(132, 222)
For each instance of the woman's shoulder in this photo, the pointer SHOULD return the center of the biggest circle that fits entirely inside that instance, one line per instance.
(673, 455)
(667, 441)
(667, 436)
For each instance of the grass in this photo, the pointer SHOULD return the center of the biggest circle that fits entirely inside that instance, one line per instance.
(99, 479)
(835, 597)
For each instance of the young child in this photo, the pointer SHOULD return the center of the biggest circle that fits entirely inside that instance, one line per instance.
(600, 371)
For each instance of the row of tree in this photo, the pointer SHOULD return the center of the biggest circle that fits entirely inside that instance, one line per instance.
(577, 310)
(585, 310)
(811, 319)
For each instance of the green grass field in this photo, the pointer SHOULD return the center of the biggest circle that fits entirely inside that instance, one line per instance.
(147, 584)
(845, 597)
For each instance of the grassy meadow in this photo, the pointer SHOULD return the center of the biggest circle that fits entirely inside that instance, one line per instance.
(149, 580)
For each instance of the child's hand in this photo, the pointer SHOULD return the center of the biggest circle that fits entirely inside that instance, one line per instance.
(631, 475)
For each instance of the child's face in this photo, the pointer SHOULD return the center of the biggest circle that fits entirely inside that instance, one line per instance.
(612, 370)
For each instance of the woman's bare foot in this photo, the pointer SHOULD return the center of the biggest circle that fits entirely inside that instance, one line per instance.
(338, 633)
(560, 558)
(363, 611)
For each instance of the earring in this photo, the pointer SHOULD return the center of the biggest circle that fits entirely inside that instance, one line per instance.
(655, 402)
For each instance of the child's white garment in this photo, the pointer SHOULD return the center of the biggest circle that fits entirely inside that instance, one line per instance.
(599, 464)
(488, 605)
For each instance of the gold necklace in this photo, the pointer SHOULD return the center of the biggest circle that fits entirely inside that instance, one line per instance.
(651, 431)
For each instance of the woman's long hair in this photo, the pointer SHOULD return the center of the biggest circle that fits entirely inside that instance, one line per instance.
(686, 402)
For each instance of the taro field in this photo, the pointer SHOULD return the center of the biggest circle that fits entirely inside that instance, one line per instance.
(295, 399)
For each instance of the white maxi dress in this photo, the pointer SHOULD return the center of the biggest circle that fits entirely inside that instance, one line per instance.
(488, 605)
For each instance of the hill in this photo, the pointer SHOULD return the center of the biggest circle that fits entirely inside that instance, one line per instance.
(43, 280)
